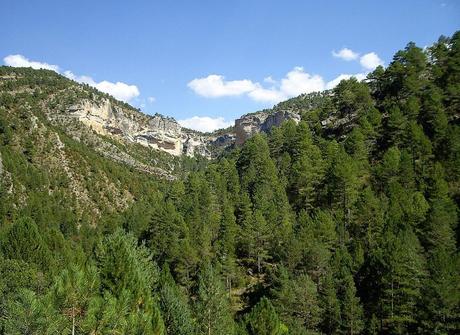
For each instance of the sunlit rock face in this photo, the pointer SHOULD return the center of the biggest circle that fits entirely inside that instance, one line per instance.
(164, 133)
(250, 124)
(158, 132)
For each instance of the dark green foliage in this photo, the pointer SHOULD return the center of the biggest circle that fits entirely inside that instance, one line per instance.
(343, 223)
(298, 303)
(263, 320)
(128, 277)
(28, 314)
(213, 304)
(176, 312)
(72, 293)
(23, 241)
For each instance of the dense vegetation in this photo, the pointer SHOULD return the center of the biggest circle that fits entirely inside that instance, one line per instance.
(302, 231)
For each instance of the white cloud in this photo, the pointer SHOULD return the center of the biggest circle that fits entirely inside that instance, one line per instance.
(21, 61)
(81, 79)
(119, 90)
(333, 83)
(261, 94)
(346, 54)
(298, 81)
(151, 99)
(370, 61)
(214, 86)
(270, 80)
(205, 123)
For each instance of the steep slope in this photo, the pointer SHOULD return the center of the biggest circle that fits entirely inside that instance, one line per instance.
(317, 108)
(343, 223)
(63, 101)
(49, 155)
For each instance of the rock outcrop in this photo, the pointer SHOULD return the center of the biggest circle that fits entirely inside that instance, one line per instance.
(83, 112)
(164, 133)
(250, 124)
(157, 131)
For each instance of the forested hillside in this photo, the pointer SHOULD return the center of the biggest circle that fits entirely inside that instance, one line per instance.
(308, 229)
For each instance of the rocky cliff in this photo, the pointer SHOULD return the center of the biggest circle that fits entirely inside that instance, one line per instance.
(253, 123)
(164, 133)
(157, 132)
(65, 102)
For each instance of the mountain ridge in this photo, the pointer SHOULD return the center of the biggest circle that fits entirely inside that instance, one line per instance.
(345, 222)
(109, 117)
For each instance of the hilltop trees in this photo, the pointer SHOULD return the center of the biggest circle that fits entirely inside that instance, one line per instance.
(263, 320)
(213, 304)
(343, 223)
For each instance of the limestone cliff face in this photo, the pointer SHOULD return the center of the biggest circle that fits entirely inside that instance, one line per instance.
(164, 133)
(158, 132)
(250, 124)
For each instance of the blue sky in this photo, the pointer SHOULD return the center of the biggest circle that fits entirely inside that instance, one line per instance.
(215, 59)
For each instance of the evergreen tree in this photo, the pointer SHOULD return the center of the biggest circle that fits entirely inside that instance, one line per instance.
(28, 313)
(297, 302)
(307, 169)
(228, 237)
(263, 320)
(213, 306)
(23, 241)
(257, 235)
(352, 313)
(71, 293)
(330, 305)
(176, 313)
(128, 277)
(401, 282)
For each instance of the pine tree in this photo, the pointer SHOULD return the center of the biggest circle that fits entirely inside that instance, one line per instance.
(72, 291)
(307, 169)
(440, 293)
(352, 313)
(297, 302)
(24, 241)
(345, 184)
(330, 317)
(176, 312)
(401, 282)
(434, 117)
(213, 305)
(368, 222)
(263, 320)
(28, 313)
(397, 127)
(128, 277)
(441, 298)
(228, 237)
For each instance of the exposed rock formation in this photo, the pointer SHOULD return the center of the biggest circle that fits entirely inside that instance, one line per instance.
(156, 131)
(164, 133)
(249, 124)
(82, 111)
